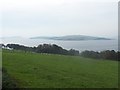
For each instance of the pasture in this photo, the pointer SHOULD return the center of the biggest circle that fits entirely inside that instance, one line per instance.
(32, 70)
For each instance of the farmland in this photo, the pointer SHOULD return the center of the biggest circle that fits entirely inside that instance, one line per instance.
(33, 70)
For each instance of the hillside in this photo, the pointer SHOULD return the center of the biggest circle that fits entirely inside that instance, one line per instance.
(72, 38)
(32, 70)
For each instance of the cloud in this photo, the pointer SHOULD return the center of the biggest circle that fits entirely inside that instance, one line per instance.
(58, 17)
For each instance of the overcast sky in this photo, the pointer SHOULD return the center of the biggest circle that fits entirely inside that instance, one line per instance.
(28, 18)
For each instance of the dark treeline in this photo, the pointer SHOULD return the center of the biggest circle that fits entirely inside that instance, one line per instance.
(55, 49)
(108, 54)
(44, 48)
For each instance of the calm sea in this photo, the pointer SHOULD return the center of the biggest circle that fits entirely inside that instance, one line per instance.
(95, 45)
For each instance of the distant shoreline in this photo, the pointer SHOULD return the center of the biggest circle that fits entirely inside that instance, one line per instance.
(72, 38)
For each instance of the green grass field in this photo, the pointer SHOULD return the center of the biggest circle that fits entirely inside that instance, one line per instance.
(31, 70)
(0, 68)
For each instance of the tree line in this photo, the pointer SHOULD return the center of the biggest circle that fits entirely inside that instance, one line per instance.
(44, 48)
(107, 54)
(55, 49)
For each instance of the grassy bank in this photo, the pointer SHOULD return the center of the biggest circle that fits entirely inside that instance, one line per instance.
(32, 70)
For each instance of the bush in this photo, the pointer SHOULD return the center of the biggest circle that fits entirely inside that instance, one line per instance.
(112, 55)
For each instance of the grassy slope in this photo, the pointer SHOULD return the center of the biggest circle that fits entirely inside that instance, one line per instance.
(59, 71)
(0, 68)
(0, 58)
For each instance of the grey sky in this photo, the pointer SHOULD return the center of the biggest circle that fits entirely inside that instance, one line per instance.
(29, 18)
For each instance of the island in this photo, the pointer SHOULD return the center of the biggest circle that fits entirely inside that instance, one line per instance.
(71, 38)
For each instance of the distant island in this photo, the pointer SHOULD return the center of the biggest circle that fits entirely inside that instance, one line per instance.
(72, 38)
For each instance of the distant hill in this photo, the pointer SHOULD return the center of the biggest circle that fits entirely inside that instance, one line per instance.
(73, 38)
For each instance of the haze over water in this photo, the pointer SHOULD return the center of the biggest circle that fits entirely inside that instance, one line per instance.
(95, 45)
